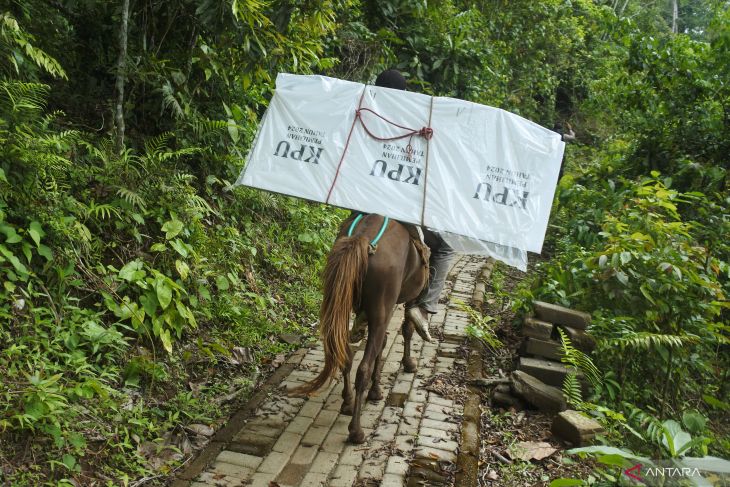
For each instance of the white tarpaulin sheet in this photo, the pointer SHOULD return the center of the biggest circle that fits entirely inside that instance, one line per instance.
(485, 178)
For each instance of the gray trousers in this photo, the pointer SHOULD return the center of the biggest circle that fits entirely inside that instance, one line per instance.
(441, 256)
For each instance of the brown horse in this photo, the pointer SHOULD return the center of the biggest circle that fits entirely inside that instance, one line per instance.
(371, 284)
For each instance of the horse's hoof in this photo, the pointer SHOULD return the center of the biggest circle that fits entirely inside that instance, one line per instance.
(346, 408)
(357, 437)
(375, 395)
(409, 365)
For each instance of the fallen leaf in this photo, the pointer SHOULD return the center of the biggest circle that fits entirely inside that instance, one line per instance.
(201, 429)
(185, 446)
(531, 450)
(196, 387)
(278, 360)
(492, 475)
(240, 355)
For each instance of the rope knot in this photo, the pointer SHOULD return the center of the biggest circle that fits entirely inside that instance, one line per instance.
(426, 133)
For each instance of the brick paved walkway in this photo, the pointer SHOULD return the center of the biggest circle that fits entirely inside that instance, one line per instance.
(412, 435)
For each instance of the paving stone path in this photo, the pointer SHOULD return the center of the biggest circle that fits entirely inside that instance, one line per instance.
(411, 435)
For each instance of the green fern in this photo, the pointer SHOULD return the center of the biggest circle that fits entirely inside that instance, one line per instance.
(134, 199)
(205, 128)
(578, 360)
(101, 212)
(572, 390)
(201, 205)
(11, 35)
(16, 96)
(155, 145)
(170, 102)
(651, 341)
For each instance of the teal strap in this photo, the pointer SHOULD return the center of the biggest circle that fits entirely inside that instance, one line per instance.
(381, 232)
(377, 237)
(354, 224)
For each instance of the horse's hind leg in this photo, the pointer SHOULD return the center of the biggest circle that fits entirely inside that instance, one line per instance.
(377, 324)
(346, 407)
(375, 394)
(409, 363)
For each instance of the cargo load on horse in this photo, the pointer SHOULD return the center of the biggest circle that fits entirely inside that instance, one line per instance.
(479, 176)
(482, 177)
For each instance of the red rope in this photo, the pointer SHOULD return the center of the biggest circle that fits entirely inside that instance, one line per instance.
(425, 132)
(347, 144)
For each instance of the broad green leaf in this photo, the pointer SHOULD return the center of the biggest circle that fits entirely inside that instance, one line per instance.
(158, 247)
(614, 460)
(674, 438)
(716, 403)
(13, 260)
(166, 340)
(172, 228)
(27, 250)
(69, 461)
(164, 292)
(181, 309)
(222, 283)
(644, 290)
(127, 309)
(180, 247)
(11, 236)
(132, 271)
(36, 232)
(566, 482)
(233, 130)
(605, 450)
(182, 269)
(694, 422)
(35, 409)
(45, 251)
(622, 277)
(204, 293)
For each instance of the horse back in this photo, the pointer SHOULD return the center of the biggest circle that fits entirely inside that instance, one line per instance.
(395, 266)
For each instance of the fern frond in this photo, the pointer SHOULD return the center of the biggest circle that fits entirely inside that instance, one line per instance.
(203, 128)
(134, 199)
(651, 341)
(170, 102)
(572, 390)
(11, 33)
(183, 178)
(101, 212)
(200, 204)
(153, 146)
(579, 360)
(172, 155)
(16, 96)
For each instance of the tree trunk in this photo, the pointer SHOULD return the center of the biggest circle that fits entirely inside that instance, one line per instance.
(675, 15)
(121, 76)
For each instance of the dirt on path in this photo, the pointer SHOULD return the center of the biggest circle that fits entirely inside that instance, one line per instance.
(425, 431)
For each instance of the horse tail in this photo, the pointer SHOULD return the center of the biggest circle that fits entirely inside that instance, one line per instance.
(346, 267)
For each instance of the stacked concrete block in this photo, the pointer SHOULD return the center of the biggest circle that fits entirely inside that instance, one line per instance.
(540, 372)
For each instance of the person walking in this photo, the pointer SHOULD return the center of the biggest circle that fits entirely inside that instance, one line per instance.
(420, 310)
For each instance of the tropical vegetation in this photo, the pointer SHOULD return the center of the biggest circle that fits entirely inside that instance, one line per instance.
(139, 287)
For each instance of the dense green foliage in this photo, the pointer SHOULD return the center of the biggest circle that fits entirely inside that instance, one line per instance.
(138, 285)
